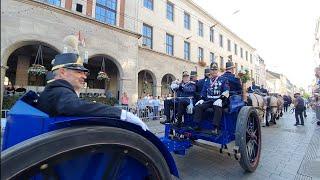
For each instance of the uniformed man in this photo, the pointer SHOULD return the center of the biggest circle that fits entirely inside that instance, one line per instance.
(194, 76)
(234, 82)
(263, 90)
(200, 84)
(214, 95)
(185, 91)
(59, 97)
(253, 88)
(299, 108)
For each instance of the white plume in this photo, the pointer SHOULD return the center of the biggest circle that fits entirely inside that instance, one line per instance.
(72, 42)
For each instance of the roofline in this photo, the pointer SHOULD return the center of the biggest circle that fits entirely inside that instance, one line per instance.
(219, 23)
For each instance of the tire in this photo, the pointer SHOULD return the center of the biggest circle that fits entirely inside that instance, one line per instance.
(246, 116)
(37, 150)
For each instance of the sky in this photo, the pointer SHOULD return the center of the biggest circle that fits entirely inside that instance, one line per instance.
(282, 31)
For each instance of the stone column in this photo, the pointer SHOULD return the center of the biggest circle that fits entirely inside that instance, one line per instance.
(158, 89)
(23, 64)
(3, 73)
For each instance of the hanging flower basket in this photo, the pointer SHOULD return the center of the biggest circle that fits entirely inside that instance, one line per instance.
(37, 70)
(244, 76)
(202, 63)
(102, 76)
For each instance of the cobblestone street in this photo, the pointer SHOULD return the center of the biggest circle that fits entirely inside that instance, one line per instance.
(288, 152)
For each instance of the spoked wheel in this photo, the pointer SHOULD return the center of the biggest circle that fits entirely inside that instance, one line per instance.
(248, 138)
(85, 153)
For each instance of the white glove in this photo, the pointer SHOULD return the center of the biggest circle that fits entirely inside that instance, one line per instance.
(218, 102)
(131, 118)
(174, 86)
(225, 93)
(200, 102)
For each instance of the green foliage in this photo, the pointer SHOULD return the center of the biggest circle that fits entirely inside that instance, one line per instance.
(108, 101)
(245, 77)
(9, 101)
(306, 95)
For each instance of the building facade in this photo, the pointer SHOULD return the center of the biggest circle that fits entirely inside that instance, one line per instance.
(279, 83)
(260, 71)
(143, 44)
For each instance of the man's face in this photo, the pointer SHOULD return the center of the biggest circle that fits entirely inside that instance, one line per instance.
(185, 78)
(75, 77)
(213, 73)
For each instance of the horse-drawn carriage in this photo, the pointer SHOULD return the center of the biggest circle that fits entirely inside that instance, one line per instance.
(240, 135)
(38, 146)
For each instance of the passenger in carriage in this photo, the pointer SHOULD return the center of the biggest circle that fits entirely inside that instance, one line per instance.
(185, 91)
(253, 87)
(234, 82)
(201, 82)
(194, 78)
(214, 95)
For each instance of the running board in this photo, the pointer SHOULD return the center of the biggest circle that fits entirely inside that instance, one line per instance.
(234, 154)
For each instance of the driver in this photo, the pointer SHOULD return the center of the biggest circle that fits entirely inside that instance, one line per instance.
(60, 97)
(253, 87)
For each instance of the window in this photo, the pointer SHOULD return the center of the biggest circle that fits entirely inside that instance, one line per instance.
(170, 13)
(186, 20)
(211, 35)
(53, 2)
(221, 62)
(186, 50)
(229, 45)
(241, 52)
(79, 8)
(221, 40)
(106, 11)
(212, 57)
(247, 55)
(200, 54)
(235, 49)
(169, 44)
(147, 36)
(250, 58)
(148, 4)
(200, 31)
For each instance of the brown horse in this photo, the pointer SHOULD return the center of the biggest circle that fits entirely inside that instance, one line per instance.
(274, 107)
(257, 101)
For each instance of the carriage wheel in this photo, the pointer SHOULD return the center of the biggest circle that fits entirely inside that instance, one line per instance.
(94, 152)
(248, 138)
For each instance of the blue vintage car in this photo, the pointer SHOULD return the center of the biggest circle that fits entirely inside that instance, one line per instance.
(37, 146)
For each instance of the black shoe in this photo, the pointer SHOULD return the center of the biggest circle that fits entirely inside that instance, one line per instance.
(302, 124)
(296, 124)
(166, 121)
(177, 124)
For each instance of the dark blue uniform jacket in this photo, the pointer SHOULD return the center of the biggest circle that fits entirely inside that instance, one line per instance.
(213, 88)
(60, 99)
(234, 83)
(186, 89)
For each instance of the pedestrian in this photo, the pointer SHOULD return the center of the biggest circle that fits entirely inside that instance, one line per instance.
(59, 97)
(10, 90)
(156, 104)
(299, 108)
(305, 108)
(124, 99)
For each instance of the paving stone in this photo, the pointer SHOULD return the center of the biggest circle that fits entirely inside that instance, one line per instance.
(283, 150)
